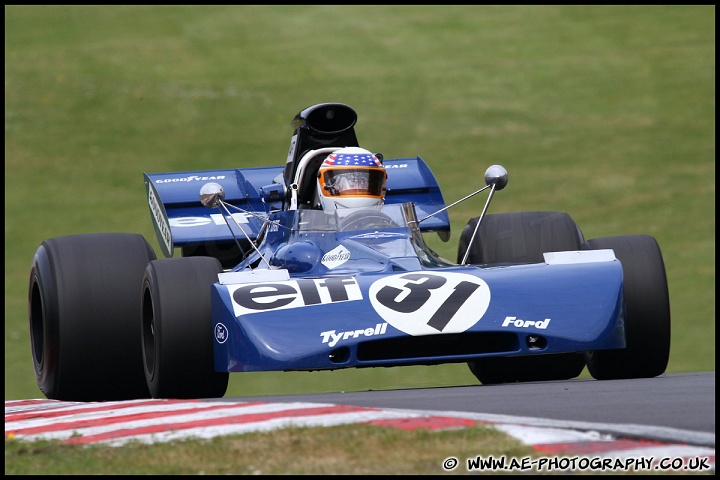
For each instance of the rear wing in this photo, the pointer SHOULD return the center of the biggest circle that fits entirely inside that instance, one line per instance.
(180, 220)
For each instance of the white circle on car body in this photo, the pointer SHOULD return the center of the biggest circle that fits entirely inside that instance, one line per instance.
(221, 333)
(426, 303)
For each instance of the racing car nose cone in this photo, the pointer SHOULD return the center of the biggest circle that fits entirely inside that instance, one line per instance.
(211, 194)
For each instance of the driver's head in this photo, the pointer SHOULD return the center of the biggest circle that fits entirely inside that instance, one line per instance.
(351, 177)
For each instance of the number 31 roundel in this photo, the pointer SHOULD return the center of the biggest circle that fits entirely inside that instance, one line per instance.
(420, 303)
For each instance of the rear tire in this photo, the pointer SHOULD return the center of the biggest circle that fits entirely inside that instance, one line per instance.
(84, 310)
(522, 237)
(540, 368)
(647, 311)
(177, 329)
(519, 237)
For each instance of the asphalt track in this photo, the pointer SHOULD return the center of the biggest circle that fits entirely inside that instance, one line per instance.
(670, 418)
(672, 407)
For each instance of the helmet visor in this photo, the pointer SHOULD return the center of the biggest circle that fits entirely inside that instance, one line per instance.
(350, 181)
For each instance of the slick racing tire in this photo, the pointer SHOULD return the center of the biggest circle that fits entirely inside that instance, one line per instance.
(177, 328)
(84, 310)
(647, 311)
(519, 237)
(366, 220)
(522, 237)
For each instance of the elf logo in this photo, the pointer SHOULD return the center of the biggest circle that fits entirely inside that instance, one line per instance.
(263, 297)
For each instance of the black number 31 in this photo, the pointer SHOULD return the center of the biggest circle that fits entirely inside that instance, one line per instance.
(416, 293)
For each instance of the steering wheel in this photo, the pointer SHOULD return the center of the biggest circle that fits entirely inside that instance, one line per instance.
(365, 220)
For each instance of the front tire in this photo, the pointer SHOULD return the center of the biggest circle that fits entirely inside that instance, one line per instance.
(647, 311)
(84, 309)
(177, 329)
(522, 237)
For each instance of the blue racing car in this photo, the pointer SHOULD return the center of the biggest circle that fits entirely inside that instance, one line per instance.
(321, 264)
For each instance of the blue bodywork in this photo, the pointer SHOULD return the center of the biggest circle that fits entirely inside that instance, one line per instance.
(316, 297)
(306, 292)
(382, 298)
(176, 209)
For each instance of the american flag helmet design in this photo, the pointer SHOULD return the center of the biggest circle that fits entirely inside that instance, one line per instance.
(351, 177)
(352, 160)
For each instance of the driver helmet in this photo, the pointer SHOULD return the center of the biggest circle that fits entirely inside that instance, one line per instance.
(351, 177)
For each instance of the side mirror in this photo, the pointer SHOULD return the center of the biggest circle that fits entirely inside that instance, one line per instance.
(497, 175)
(212, 195)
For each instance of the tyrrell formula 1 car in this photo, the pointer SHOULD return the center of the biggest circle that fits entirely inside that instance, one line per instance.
(321, 264)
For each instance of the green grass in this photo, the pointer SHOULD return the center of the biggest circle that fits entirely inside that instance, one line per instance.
(604, 112)
(355, 450)
(344, 450)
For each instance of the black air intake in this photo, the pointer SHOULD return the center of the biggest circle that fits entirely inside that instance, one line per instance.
(447, 345)
(322, 125)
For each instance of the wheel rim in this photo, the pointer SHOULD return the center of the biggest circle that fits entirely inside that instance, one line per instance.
(148, 331)
(37, 325)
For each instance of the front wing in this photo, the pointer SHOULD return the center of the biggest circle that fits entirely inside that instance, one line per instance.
(453, 314)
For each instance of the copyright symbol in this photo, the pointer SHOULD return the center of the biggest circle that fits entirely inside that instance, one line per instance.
(450, 463)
